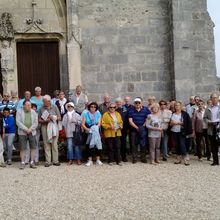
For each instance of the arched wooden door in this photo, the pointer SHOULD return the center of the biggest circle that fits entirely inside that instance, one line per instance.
(38, 65)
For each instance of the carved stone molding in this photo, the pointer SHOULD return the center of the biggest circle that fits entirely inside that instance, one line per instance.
(6, 27)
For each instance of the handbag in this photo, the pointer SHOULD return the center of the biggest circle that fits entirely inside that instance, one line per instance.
(79, 136)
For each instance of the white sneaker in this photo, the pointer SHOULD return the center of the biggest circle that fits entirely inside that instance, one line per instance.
(89, 163)
(99, 162)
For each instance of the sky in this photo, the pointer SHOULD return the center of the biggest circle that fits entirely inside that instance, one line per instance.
(214, 11)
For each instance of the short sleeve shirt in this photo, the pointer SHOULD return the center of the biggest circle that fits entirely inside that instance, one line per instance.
(139, 118)
(52, 111)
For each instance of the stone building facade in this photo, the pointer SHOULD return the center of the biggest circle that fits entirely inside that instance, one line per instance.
(121, 47)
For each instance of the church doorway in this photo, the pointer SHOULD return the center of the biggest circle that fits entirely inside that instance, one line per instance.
(38, 65)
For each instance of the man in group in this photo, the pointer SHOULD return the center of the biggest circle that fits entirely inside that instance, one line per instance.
(27, 122)
(212, 118)
(6, 102)
(104, 106)
(137, 119)
(49, 116)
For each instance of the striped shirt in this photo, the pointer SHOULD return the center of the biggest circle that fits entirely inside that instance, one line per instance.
(139, 117)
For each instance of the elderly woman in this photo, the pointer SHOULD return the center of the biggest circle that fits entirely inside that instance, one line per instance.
(154, 121)
(37, 98)
(49, 115)
(112, 124)
(165, 115)
(70, 120)
(181, 127)
(91, 122)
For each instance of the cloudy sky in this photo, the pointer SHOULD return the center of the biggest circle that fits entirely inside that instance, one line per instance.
(214, 11)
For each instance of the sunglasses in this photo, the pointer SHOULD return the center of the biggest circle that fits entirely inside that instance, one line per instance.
(69, 106)
(112, 107)
(92, 106)
(137, 103)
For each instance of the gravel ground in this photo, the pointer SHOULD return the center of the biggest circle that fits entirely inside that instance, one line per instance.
(133, 191)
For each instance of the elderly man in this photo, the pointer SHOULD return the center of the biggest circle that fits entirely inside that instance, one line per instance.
(137, 117)
(104, 106)
(7, 103)
(80, 100)
(27, 97)
(212, 118)
(27, 122)
(49, 116)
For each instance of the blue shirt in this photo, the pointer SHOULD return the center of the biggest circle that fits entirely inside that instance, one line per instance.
(139, 118)
(38, 102)
(9, 124)
(92, 119)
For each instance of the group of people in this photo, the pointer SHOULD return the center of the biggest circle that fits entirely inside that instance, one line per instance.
(158, 128)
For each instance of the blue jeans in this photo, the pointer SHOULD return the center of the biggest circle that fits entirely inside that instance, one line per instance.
(8, 142)
(164, 142)
(73, 151)
(180, 142)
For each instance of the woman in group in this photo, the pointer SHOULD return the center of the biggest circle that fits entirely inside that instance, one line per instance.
(155, 130)
(181, 126)
(37, 98)
(112, 124)
(69, 122)
(61, 103)
(91, 122)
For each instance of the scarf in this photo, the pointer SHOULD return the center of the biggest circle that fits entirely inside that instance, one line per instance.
(62, 103)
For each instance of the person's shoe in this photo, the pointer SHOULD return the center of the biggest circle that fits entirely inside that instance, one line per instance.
(125, 160)
(153, 163)
(110, 164)
(99, 162)
(37, 163)
(33, 166)
(89, 163)
(164, 159)
(214, 164)
(186, 163)
(78, 162)
(200, 159)
(47, 164)
(120, 164)
(2, 165)
(177, 162)
(9, 162)
(22, 166)
(144, 161)
(157, 161)
(57, 164)
(70, 162)
(134, 161)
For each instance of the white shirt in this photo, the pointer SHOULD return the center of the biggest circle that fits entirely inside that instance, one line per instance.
(214, 110)
(177, 118)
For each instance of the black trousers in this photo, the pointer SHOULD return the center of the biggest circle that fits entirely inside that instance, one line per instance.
(114, 145)
(124, 144)
(199, 138)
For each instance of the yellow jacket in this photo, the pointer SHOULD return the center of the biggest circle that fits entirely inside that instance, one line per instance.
(107, 122)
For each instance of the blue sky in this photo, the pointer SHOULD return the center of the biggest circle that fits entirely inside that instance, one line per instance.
(214, 11)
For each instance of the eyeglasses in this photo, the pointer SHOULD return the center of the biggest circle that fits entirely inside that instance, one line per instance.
(112, 107)
(137, 103)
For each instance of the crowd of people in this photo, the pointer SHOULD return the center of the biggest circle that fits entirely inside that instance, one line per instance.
(158, 129)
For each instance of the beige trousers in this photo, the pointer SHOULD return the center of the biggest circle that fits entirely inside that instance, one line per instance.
(48, 147)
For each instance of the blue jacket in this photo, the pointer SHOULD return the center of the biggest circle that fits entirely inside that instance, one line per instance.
(9, 124)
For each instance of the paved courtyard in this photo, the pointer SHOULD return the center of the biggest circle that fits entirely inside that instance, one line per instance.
(140, 191)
